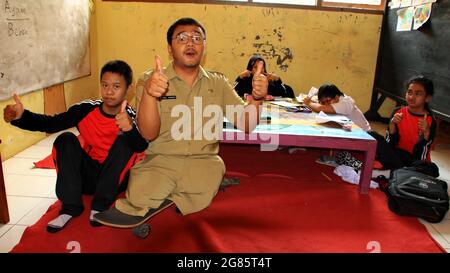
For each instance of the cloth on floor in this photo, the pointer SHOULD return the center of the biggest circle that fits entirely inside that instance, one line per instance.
(348, 174)
(46, 163)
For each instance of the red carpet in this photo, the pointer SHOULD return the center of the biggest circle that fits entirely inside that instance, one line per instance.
(283, 204)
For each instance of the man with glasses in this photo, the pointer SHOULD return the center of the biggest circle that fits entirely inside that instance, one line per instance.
(187, 171)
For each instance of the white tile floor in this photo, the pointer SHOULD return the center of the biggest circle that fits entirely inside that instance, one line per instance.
(31, 191)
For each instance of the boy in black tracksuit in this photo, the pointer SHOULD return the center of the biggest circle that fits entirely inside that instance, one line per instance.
(110, 137)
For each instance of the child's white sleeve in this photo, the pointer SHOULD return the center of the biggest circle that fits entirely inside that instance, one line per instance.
(344, 106)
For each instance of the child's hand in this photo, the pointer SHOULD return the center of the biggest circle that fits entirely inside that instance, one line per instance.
(245, 74)
(259, 84)
(307, 100)
(123, 120)
(397, 118)
(158, 83)
(13, 111)
(424, 129)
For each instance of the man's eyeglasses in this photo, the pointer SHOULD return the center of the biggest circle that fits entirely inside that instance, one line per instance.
(183, 38)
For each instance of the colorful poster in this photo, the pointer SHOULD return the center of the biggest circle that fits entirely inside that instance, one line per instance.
(405, 19)
(421, 15)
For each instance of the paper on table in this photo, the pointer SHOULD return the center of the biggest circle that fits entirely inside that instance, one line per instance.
(292, 107)
(312, 92)
(341, 120)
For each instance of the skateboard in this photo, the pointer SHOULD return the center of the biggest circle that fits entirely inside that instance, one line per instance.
(139, 228)
(142, 230)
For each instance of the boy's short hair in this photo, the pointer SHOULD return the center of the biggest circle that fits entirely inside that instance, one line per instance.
(119, 67)
(183, 22)
(328, 91)
(424, 81)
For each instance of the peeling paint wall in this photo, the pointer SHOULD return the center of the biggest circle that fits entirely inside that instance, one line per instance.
(305, 47)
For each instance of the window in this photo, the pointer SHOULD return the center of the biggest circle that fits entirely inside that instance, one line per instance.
(288, 2)
(369, 5)
(366, 2)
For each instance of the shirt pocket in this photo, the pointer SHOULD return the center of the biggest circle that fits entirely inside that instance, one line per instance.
(166, 108)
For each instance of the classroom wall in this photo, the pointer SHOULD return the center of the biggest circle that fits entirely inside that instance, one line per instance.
(305, 47)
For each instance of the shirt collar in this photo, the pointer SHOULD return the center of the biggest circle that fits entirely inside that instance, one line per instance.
(170, 72)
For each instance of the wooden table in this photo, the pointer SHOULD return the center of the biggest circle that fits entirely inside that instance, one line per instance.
(300, 129)
(4, 214)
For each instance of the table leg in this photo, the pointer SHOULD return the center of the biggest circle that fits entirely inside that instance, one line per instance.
(366, 171)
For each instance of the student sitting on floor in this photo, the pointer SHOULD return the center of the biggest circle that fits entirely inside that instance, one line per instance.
(112, 143)
(411, 129)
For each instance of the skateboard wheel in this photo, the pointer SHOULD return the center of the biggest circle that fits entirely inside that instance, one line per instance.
(142, 231)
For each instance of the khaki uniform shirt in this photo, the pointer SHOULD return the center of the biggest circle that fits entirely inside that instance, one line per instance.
(210, 88)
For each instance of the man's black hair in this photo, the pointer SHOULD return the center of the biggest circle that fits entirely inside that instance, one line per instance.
(183, 22)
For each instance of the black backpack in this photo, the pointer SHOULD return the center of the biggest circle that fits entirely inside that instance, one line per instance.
(413, 193)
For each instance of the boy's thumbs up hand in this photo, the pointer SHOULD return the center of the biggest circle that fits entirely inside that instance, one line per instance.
(158, 83)
(259, 83)
(123, 106)
(123, 120)
(13, 111)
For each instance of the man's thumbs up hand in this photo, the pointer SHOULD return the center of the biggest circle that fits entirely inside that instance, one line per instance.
(158, 83)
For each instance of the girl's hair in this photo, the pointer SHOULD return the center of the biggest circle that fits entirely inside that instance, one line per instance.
(427, 85)
(253, 60)
(328, 91)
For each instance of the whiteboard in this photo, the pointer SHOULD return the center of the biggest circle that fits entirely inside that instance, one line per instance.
(42, 43)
